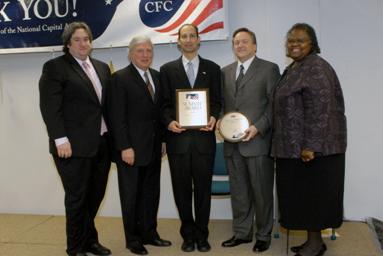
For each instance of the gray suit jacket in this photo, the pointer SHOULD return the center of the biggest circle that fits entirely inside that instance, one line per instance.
(253, 99)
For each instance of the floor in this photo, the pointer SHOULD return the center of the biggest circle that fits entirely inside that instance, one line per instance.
(42, 235)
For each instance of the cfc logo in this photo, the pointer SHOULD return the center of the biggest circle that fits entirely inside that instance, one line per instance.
(167, 16)
(157, 6)
(155, 13)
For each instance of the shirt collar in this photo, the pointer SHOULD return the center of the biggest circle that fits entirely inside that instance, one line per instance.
(245, 64)
(141, 71)
(87, 60)
(194, 61)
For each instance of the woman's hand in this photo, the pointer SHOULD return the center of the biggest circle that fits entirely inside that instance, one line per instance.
(307, 155)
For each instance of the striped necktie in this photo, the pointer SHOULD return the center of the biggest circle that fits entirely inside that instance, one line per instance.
(149, 85)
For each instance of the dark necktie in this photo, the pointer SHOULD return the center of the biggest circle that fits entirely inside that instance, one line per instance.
(149, 85)
(239, 78)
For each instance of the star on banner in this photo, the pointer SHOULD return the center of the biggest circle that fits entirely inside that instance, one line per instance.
(108, 2)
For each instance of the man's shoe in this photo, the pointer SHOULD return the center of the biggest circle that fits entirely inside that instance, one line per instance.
(188, 245)
(203, 245)
(261, 246)
(159, 242)
(234, 242)
(78, 254)
(98, 249)
(137, 248)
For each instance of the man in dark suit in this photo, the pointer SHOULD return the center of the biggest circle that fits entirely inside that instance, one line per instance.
(72, 105)
(247, 87)
(134, 109)
(191, 152)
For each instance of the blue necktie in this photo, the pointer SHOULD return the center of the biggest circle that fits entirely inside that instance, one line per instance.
(190, 74)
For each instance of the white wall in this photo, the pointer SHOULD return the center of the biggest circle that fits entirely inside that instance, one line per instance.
(350, 35)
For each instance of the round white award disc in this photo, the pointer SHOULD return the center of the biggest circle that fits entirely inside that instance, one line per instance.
(233, 126)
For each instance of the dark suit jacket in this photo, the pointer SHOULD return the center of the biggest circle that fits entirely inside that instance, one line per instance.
(253, 99)
(69, 104)
(134, 117)
(173, 76)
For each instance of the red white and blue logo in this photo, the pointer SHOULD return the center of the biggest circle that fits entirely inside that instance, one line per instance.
(33, 24)
(192, 96)
(168, 16)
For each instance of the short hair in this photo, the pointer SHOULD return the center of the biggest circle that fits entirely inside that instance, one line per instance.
(248, 31)
(188, 24)
(136, 41)
(70, 29)
(310, 32)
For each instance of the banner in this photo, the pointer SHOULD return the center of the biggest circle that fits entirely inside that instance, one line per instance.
(37, 25)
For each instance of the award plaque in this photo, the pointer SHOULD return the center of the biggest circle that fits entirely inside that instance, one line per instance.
(192, 108)
(233, 126)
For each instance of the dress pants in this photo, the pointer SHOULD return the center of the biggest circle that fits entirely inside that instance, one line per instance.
(84, 180)
(192, 175)
(251, 186)
(139, 188)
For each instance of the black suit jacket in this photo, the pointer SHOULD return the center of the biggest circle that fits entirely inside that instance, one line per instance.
(69, 104)
(173, 76)
(134, 116)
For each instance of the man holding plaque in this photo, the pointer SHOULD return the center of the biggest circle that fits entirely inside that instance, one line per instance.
(247, 87)
(191, 150)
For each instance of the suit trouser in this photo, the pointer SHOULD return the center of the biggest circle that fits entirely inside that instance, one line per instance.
(84, 180)
(139, 188)
(192, 172)
(251, 186)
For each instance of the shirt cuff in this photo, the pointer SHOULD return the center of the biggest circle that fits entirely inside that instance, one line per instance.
(61, 141)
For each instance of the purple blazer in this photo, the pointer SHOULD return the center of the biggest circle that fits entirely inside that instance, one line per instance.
(309, 110)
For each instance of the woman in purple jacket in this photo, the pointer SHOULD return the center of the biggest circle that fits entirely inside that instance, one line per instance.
(309, 142)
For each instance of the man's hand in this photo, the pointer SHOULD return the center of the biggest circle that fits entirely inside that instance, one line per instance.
(218, 126)
(307, 155)
(64, 150)
(251, 132)
(163, 149)
(174, 126)
(127, 156)
(210, 125)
